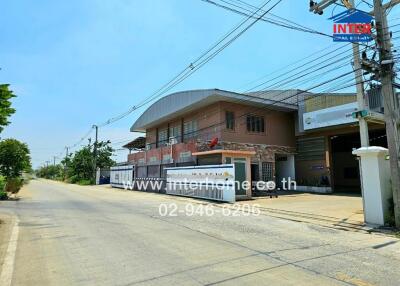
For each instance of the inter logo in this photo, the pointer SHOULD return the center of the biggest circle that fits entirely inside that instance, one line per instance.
(352, 26)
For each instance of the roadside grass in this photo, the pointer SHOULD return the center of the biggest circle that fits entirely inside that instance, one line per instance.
(84, 182)
(12, 185)
(3, 196)
(2, 183)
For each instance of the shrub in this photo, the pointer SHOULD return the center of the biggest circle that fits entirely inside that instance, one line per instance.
(73, 179)
(2, 183)
(3, 196)
(84, 182)
(13, 185)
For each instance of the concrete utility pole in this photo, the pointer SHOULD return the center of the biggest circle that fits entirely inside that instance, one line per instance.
(95, 152)
(391, 100)
(66, 153)
(54, 160)
(66, 159)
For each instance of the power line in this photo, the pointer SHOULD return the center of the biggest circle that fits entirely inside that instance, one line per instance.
(199, 62)
(298, 93)
(194, 66)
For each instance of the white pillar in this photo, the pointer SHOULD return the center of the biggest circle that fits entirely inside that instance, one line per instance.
(98, 176)
(375, 183)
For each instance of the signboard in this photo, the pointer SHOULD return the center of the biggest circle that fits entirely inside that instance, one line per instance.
(352, 26)
(215, 182)
(338, 115)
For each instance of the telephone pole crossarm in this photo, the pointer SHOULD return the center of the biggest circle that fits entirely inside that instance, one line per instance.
(318, 8)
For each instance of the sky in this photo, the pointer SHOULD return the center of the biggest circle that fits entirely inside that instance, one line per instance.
(76, 63)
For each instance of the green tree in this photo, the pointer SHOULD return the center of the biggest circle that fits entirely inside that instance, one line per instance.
(5, 105)
(14, 158)
(51, 172)
(80, 165)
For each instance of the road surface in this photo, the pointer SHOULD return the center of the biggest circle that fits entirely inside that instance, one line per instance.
(72, 235)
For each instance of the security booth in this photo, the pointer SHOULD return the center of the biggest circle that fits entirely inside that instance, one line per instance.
(240, 159)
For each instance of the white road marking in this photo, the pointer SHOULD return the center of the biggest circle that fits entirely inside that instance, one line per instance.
(9, 259)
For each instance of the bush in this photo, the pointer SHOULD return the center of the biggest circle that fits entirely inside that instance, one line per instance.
(13, 185)
(84, 182)
(3, 196)
(2, 183)
(72, 179)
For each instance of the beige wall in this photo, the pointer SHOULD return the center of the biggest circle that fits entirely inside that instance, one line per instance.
(206, 116)
(279, 126)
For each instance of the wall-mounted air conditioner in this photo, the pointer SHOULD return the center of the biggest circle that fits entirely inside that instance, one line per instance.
(173, 140)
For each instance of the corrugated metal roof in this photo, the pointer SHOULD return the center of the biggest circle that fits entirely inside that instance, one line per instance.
(176, 104)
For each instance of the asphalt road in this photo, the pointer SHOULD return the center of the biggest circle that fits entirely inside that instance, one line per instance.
(71, 235)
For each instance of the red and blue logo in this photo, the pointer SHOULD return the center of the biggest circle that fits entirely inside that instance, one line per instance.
(352, 26)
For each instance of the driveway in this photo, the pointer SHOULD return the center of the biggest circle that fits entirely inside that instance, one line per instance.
(339, 211)
(72, 235)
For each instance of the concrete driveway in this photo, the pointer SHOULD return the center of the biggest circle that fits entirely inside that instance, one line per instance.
(336, 211)
(72, 235)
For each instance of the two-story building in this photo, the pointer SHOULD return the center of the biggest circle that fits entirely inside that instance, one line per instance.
(291, 133)
(183, 123)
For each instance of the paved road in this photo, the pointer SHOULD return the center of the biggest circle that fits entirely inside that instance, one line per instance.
(70, 235)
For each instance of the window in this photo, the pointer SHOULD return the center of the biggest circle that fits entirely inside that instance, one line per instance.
(255, 124)
(175, 132)
(190, 128)
(230, 120)
(162, 137)
(267, 171)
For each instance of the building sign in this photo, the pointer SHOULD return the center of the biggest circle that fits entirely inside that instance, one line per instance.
(167, 158)
(352, 26)
(186, 154)
(153, 159)
(215, 182)
(337, 115)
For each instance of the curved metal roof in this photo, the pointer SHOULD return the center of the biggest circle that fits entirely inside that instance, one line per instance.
(179, 103)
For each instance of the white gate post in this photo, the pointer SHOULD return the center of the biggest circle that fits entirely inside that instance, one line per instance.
(98, 176)
(375, 183)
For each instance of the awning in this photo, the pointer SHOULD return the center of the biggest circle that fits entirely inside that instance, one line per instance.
(138, 143)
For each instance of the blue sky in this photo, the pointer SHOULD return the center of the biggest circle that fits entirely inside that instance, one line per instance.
(79, 62)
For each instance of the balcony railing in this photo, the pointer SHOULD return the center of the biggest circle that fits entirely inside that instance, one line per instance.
(318, 102)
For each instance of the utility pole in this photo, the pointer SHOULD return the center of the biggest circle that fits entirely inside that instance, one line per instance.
(54, 160)
(95, 152)
(66, 153)
(391, 101)
(66, 160)
(390, 98)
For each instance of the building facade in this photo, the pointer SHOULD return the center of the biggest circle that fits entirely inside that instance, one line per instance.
(292, 133)
(187, 122)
